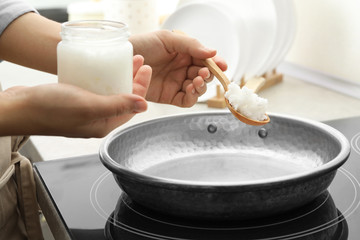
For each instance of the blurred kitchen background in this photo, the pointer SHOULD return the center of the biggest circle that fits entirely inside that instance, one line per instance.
(327, 33)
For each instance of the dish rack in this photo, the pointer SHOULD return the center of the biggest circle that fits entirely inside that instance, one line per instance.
(271, 78)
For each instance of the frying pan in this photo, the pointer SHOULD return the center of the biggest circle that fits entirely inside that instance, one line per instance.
(211, 166)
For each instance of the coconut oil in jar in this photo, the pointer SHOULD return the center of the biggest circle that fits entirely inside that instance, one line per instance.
(96, 56)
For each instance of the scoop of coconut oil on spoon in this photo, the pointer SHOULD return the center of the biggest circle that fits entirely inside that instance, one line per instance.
(225, 82)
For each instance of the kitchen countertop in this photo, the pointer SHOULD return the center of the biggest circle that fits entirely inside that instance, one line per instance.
(292, 96)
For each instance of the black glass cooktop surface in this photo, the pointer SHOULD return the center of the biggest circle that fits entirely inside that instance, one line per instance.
(92, 206)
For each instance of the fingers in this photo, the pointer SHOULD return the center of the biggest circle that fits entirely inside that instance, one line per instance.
(190, 93)
(138, 61)
(206, 74)
(142, 80)
(196, 87)
(191, 96)
(199, 85)
(220, 62)
(186, 98)
(142, 76)
(203, 72)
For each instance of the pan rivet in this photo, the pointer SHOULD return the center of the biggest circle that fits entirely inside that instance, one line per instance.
(262, 133)
(212, 128)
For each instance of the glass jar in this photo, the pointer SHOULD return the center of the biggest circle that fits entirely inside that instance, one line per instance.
(96, 55)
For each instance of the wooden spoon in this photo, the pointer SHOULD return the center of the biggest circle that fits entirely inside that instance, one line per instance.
(253, 85)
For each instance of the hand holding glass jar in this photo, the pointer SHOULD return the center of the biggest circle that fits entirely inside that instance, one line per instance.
(178, 78)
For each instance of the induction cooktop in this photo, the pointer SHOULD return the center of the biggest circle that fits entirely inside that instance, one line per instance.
(91, 205)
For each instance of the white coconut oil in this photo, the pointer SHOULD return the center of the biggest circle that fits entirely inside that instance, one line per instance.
(246, 102)
(96, 56)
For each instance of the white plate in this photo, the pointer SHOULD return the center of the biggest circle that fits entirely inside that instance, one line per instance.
(244, 53)
(259, 17)
(214, 28)
(282, 30)
(290, 20)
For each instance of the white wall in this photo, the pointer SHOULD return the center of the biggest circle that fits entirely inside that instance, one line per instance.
(328, 37)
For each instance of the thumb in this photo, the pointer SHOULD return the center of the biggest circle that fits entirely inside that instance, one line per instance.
(185, 44)
(131, 103)
(116, 105)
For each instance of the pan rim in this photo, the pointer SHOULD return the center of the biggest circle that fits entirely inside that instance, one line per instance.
(132, 175)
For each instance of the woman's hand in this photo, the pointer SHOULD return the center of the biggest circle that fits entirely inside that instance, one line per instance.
(65, 110)
(179, 76)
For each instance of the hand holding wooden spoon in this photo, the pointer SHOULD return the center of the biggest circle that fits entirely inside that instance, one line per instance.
(219, 74)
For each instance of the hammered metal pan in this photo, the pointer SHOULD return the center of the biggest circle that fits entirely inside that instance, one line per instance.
(212, 166)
